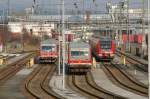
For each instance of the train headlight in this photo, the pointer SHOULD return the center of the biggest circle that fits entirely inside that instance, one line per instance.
(111, 54)
(100, 54)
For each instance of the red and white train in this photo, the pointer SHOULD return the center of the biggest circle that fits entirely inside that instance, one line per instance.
(79, 57)
(103, 48)
(48, 51)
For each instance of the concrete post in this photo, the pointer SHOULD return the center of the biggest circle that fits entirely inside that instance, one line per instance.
(94, 63)
(31, 63)
(1, 61)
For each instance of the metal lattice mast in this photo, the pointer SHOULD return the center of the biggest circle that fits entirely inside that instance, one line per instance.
(59, 31)
(148, 47)
(143, 28)
(63, 43)
(128, 30)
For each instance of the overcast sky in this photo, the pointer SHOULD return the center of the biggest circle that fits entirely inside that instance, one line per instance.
(19, 5)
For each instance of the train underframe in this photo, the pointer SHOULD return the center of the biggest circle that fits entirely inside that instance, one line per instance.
(47, 59)
(78, 68)
(102, 58)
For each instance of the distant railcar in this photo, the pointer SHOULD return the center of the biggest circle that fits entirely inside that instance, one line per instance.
(124, 38)
(79, 56)
(48, 51)
(133, 38)
(103, 48)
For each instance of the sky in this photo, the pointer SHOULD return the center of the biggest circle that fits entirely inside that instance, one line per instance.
(52, 5)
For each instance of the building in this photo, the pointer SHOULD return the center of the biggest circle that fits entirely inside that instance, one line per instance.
(34, 28)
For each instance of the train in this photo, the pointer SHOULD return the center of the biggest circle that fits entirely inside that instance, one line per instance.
(133, 38)
(48, 51)
(103, 48)
(136, 41)
(79, 57)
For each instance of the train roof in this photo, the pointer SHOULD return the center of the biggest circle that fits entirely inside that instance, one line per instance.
(49, 41)
(79, 44)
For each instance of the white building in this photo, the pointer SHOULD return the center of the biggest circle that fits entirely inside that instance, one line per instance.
(35, 27)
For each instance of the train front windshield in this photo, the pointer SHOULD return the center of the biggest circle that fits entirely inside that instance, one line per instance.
(105, 44)
(48, 48)
(79, 55)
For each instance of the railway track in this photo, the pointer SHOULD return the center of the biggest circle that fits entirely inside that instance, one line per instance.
(134, 61)
(123, 80)
(37, 84)
(12, 69)
(85, 85)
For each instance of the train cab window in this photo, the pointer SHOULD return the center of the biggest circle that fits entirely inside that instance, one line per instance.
(79, 53)
(74, 53)
(48, 48)
(105, 44)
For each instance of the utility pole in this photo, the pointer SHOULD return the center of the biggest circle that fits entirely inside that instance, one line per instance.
(120, 27)
(83, 20)
(128, 30)
(63, 43)
(8, 5)
(59, 31)
(3, 21)
(8, 8)
(143, 29)
(22, 40)
(148, 46)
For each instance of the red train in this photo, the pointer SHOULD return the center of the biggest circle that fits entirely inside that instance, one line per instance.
(103, 48)
(133, 38)
(48, 51)
(79, 57)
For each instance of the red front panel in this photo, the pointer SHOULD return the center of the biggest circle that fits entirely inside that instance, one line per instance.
(124, 37)
(80, 62)
(139, 38)
(113, 47)
(131, 38)
(48, 54)
(99, 47)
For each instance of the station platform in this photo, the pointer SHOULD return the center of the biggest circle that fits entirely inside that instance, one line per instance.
(135, 57)
(14, 59)
(56, 84)
(134, 71)
(17, 58)
(11, 89)
(102, 80)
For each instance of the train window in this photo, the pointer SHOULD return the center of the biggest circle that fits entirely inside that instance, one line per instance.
(84, 53)
(105, 44)
(48, 48)
(74, 53)
(79, 53)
